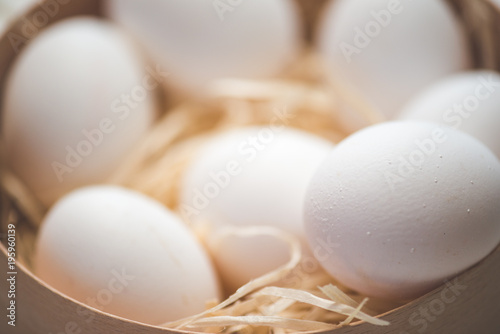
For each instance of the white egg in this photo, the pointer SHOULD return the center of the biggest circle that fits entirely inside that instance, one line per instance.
(77, 100)
(384, 51)
(123, 253)
(199, 41)
(398, 208)
(255, 176)
(468, 101)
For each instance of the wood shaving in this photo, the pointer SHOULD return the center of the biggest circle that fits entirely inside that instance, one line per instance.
(305, 297)
(258, 304)
(269, 321)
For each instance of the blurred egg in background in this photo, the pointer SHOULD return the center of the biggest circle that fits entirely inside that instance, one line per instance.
(200, 41)
(382, 52)
(77, 100)
(126, 254)
(253, 176)
(468, 101)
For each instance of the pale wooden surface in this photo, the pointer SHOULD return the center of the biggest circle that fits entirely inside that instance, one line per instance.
(41, 310)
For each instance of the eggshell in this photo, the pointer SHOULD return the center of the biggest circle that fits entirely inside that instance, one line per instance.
(384, 51)
(467, 101)
(398, 208)
(125, 254)
(200, 41)
(64, 122)
(254, 176)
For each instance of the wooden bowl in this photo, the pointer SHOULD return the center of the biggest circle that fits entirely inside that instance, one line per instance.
(469, 303)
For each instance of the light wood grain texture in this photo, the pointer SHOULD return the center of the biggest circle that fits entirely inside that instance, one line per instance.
(469, 304)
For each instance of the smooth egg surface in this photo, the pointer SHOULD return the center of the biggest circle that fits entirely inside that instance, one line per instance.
(384, 51)
(398, 208)
(125, 254)
(200, 41)
(253, 176)
(74, 106)
(468, 101)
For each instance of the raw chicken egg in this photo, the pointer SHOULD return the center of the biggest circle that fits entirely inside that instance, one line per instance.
(125, 254)
(77, 100)
(254, 176)
(384, 51)
(398, 208)
(199, 41)
(467, 101)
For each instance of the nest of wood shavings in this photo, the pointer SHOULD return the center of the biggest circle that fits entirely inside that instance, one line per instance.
(279, 309)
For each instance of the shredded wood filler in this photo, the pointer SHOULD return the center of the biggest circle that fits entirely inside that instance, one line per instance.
(257, 304)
